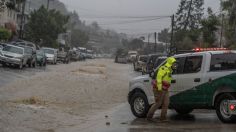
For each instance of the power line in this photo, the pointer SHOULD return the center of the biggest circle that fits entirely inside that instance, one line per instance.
(125, 17)
(135, 21)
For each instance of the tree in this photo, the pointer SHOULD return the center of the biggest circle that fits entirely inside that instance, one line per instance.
(135, 44)
(209, 27)
(187, 22)
(230, 22)
(2, 6)
(164, 36)
(79, 38)
(44, 26)
(189, 14)
(4, 34)
(230, 7)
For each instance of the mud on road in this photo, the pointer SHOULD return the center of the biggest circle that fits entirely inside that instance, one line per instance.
(63, 96)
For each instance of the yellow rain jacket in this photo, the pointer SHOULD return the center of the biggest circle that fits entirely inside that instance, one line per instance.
(165, 72)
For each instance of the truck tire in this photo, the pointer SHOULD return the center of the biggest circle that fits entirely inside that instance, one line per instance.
(222, 108)
(183, 111)
(139, 105)
(20, 66)
(34, 64)
(4, 64)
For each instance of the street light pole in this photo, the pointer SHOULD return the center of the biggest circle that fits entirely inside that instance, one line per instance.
(172, 46)
(22, 20)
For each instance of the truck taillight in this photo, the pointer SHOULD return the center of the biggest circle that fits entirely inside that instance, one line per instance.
(232, 107)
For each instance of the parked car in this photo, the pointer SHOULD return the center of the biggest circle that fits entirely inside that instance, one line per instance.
(41, 58)
(75, 55)
(25, 43)
(2, 45)
(150, 63)
(139, 62)
(157, 62)
(64, 56)
(132, 55)
(13, 55)
(121, 59)
(203, 80)
(31, 56)
(51, 55)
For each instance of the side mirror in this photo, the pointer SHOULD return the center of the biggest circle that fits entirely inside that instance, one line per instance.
(151, 74)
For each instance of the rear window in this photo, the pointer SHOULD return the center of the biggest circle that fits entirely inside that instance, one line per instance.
(221, 62)
(13, 49)
(143, 58)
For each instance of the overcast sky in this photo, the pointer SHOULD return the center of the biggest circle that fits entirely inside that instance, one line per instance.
(103, 12)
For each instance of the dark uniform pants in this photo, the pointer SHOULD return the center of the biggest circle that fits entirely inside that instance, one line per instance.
(161, 99)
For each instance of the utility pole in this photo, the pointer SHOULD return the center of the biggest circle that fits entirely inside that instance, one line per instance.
(172, 46)
(155, 47)
(221, 32)
(22, 20)
(148, 39)
(48, 3)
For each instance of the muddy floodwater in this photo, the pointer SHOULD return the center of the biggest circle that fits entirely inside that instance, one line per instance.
(63, 96)
(86, 96)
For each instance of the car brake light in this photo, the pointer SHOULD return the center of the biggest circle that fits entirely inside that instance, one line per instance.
(232, 107)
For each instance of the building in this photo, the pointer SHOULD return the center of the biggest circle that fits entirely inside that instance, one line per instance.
(65, 39)
(11, 16)
(8, 16)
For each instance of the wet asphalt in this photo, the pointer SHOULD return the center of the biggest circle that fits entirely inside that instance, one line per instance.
(120, 118)
(9, 74)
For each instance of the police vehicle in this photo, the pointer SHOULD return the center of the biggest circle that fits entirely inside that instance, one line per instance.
(205, 79)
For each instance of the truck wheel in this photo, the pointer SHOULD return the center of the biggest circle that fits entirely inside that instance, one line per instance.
(34, 64)
(45, 63)
(30, 64)
(183, 111)
(20, 66)
(4, 64)
(139, 105)
(135, 69)
(222, 108)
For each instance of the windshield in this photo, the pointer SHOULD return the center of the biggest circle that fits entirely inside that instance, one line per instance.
(40, 52)
(13, 49)
(28, 50)
(48, 51)
(143, 58)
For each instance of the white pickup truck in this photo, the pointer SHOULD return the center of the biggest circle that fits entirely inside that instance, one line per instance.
(203, 80)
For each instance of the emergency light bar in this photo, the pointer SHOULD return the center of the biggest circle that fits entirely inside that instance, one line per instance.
(209, 49)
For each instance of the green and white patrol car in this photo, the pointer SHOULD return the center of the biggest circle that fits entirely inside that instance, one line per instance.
(203, 80)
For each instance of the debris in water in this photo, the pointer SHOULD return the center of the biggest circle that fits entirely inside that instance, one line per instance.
(108, 123)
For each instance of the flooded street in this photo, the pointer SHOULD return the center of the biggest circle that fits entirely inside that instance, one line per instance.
(63, 95)
(85, 97)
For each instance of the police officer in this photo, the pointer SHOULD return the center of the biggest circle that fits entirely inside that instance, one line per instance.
(161, 92)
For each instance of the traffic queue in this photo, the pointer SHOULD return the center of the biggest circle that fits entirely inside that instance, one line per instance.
(23, 54)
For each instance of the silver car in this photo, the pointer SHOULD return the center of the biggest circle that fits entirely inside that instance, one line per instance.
(13, 55)
(51, 55)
